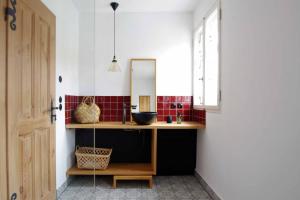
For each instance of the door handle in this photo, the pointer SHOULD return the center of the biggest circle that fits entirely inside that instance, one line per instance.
(53, 115)
(13, 196)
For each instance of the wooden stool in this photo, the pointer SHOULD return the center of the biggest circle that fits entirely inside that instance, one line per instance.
(147, 178)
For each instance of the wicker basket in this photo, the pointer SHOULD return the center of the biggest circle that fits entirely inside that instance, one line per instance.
(92, 158)
(87, 111)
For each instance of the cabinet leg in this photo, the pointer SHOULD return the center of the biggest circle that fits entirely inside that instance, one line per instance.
(151, 183)
(114, 185)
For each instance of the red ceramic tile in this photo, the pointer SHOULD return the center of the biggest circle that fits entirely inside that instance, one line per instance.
(70, 106)
(120, 99)
(98, 99)
(186, 106)
(120, 105)
(106, 117)
(126, 98)
(119, 112)
(166, 99)
(113, 118)
(159, 105)
(68, 98)
(173, 112)
(186, 118)
(106, 112)
(160, 112)
(160, 99)
(106, 106)
(119, 118)
(166, 112)
(114, 99)
(107, 99)
(186, 112)
(174, 118)
(179, 99)
(114, 106)
(201, 114)
(172, 99)
(166, 106)
(115, 112)
(187, 99)
(67, 106)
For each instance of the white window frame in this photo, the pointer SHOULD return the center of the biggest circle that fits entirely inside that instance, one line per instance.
(216, 5)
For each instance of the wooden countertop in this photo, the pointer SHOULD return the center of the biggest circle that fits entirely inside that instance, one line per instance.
(132, 125)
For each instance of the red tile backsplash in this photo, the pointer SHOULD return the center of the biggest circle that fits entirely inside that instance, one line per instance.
(164, 107)
(111, 108)
(199, 116)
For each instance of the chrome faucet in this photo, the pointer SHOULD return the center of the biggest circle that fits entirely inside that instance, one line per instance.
(124, 114)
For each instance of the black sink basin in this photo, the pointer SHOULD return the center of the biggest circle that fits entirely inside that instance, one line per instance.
(144, 118)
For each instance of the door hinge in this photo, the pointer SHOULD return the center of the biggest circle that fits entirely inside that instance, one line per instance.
(220, 95)
(220, 14)
(11, 11)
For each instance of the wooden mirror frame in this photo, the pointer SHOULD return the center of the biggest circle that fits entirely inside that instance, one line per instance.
(155, 73)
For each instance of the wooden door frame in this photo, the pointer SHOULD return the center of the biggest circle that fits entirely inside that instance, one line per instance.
(3, 77)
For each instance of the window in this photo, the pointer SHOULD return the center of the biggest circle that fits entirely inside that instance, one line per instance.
(206, 84)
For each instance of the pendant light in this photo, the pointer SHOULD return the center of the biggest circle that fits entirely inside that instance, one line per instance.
(114, 66)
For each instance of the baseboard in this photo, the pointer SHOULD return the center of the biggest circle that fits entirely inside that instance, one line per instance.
(64, 186)
(207, 188)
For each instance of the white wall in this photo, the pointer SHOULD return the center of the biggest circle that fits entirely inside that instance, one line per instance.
(164, 36)
(67, 66)
(250, 150)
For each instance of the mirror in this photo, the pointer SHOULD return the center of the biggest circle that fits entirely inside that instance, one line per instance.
(143, 85)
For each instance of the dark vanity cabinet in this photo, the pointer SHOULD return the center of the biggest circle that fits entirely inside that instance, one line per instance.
(176, 151)
(176, 148)
(128, 146)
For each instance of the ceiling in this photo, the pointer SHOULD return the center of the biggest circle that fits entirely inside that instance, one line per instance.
(138, 5)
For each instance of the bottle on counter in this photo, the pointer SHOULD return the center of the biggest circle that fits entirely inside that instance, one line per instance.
(179, 118)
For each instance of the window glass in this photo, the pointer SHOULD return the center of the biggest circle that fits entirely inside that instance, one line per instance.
(206, 62)
(211, 60)
(198, 67)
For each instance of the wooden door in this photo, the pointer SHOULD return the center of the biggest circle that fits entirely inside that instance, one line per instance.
(30, 88)
(144, 103)
(3, 164)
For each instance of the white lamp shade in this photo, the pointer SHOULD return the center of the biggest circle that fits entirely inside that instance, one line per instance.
(114, 67)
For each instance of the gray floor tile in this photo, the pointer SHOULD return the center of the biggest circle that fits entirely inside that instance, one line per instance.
(164, 188)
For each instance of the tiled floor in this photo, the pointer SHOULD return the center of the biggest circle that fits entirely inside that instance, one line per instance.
(164, 188)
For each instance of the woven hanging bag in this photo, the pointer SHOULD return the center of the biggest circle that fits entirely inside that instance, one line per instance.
(87, 111)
